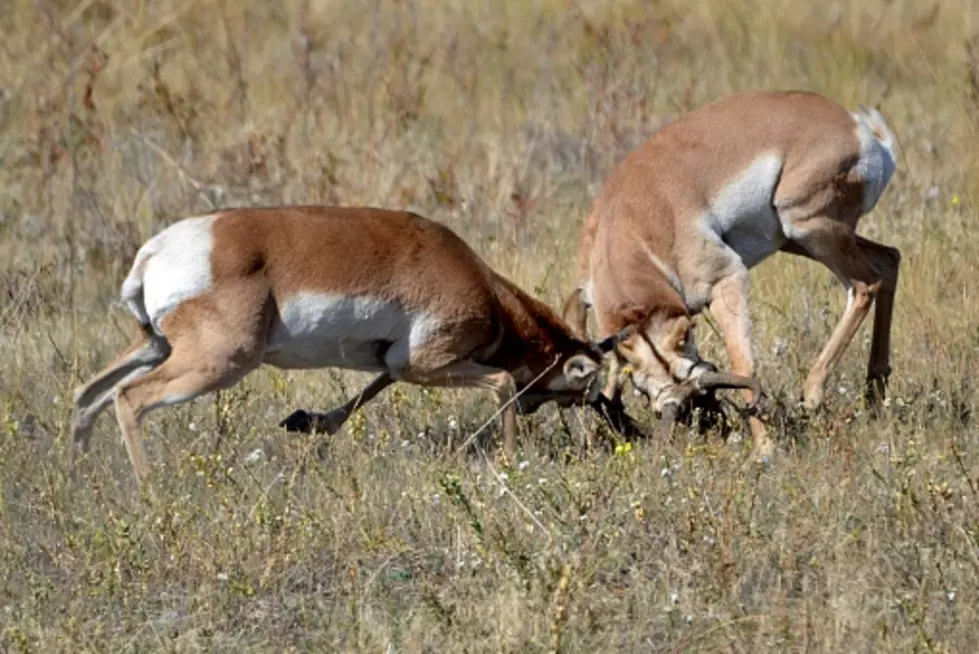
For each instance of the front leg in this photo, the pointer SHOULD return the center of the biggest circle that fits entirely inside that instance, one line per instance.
(330, 422)
(475, 375)
(729, 306)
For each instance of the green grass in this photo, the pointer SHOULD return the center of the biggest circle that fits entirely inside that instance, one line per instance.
(119, 118)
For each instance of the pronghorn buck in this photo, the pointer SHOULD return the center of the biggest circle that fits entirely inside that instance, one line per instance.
(363, 289)
(684, 217)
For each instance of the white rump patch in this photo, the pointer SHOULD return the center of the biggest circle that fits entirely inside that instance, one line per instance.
(317, 330)
(177, 266)
(742, 214)
(876, 165)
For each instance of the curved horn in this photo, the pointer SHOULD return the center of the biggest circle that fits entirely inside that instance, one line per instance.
(608, 344)
(707, 381)
(715, 379)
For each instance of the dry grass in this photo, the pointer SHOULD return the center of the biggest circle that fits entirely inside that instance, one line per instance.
(500, 119)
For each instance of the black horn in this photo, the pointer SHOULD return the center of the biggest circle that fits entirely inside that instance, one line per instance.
(711, 380)
(715, 380)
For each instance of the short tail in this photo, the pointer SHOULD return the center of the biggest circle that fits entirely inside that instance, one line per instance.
(875, 120)
(132, 287)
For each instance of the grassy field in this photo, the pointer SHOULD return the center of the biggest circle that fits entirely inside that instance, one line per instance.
(500, 118)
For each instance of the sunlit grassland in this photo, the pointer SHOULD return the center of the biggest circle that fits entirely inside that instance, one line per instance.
(500, 119)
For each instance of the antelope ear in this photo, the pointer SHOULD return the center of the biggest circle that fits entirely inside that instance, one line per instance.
(579, 371)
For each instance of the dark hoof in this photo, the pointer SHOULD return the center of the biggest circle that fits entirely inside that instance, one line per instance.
(301, 421)
(307, 423)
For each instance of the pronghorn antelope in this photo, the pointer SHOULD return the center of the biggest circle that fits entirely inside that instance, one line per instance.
(684, 217)
(363, 289)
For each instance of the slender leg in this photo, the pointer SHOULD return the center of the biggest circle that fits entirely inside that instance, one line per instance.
(110, 375)
(331, 421)
(84, 418)
(96, 394)
(859, 299)
(211, 350)
(729, 306)
(470, 374)
(886, 261)
(183, 377)
(834, 244)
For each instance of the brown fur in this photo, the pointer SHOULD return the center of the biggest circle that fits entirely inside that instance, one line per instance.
(491, 334)
(650, 207)
(426, 267)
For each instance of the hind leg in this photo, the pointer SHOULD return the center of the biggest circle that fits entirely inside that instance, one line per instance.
(110, 375)
(217, 339)
(91, 398)
(184, 377)
(84, 419)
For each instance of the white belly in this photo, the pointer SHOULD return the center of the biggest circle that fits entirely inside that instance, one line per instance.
(354, 332)
(742, 215)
